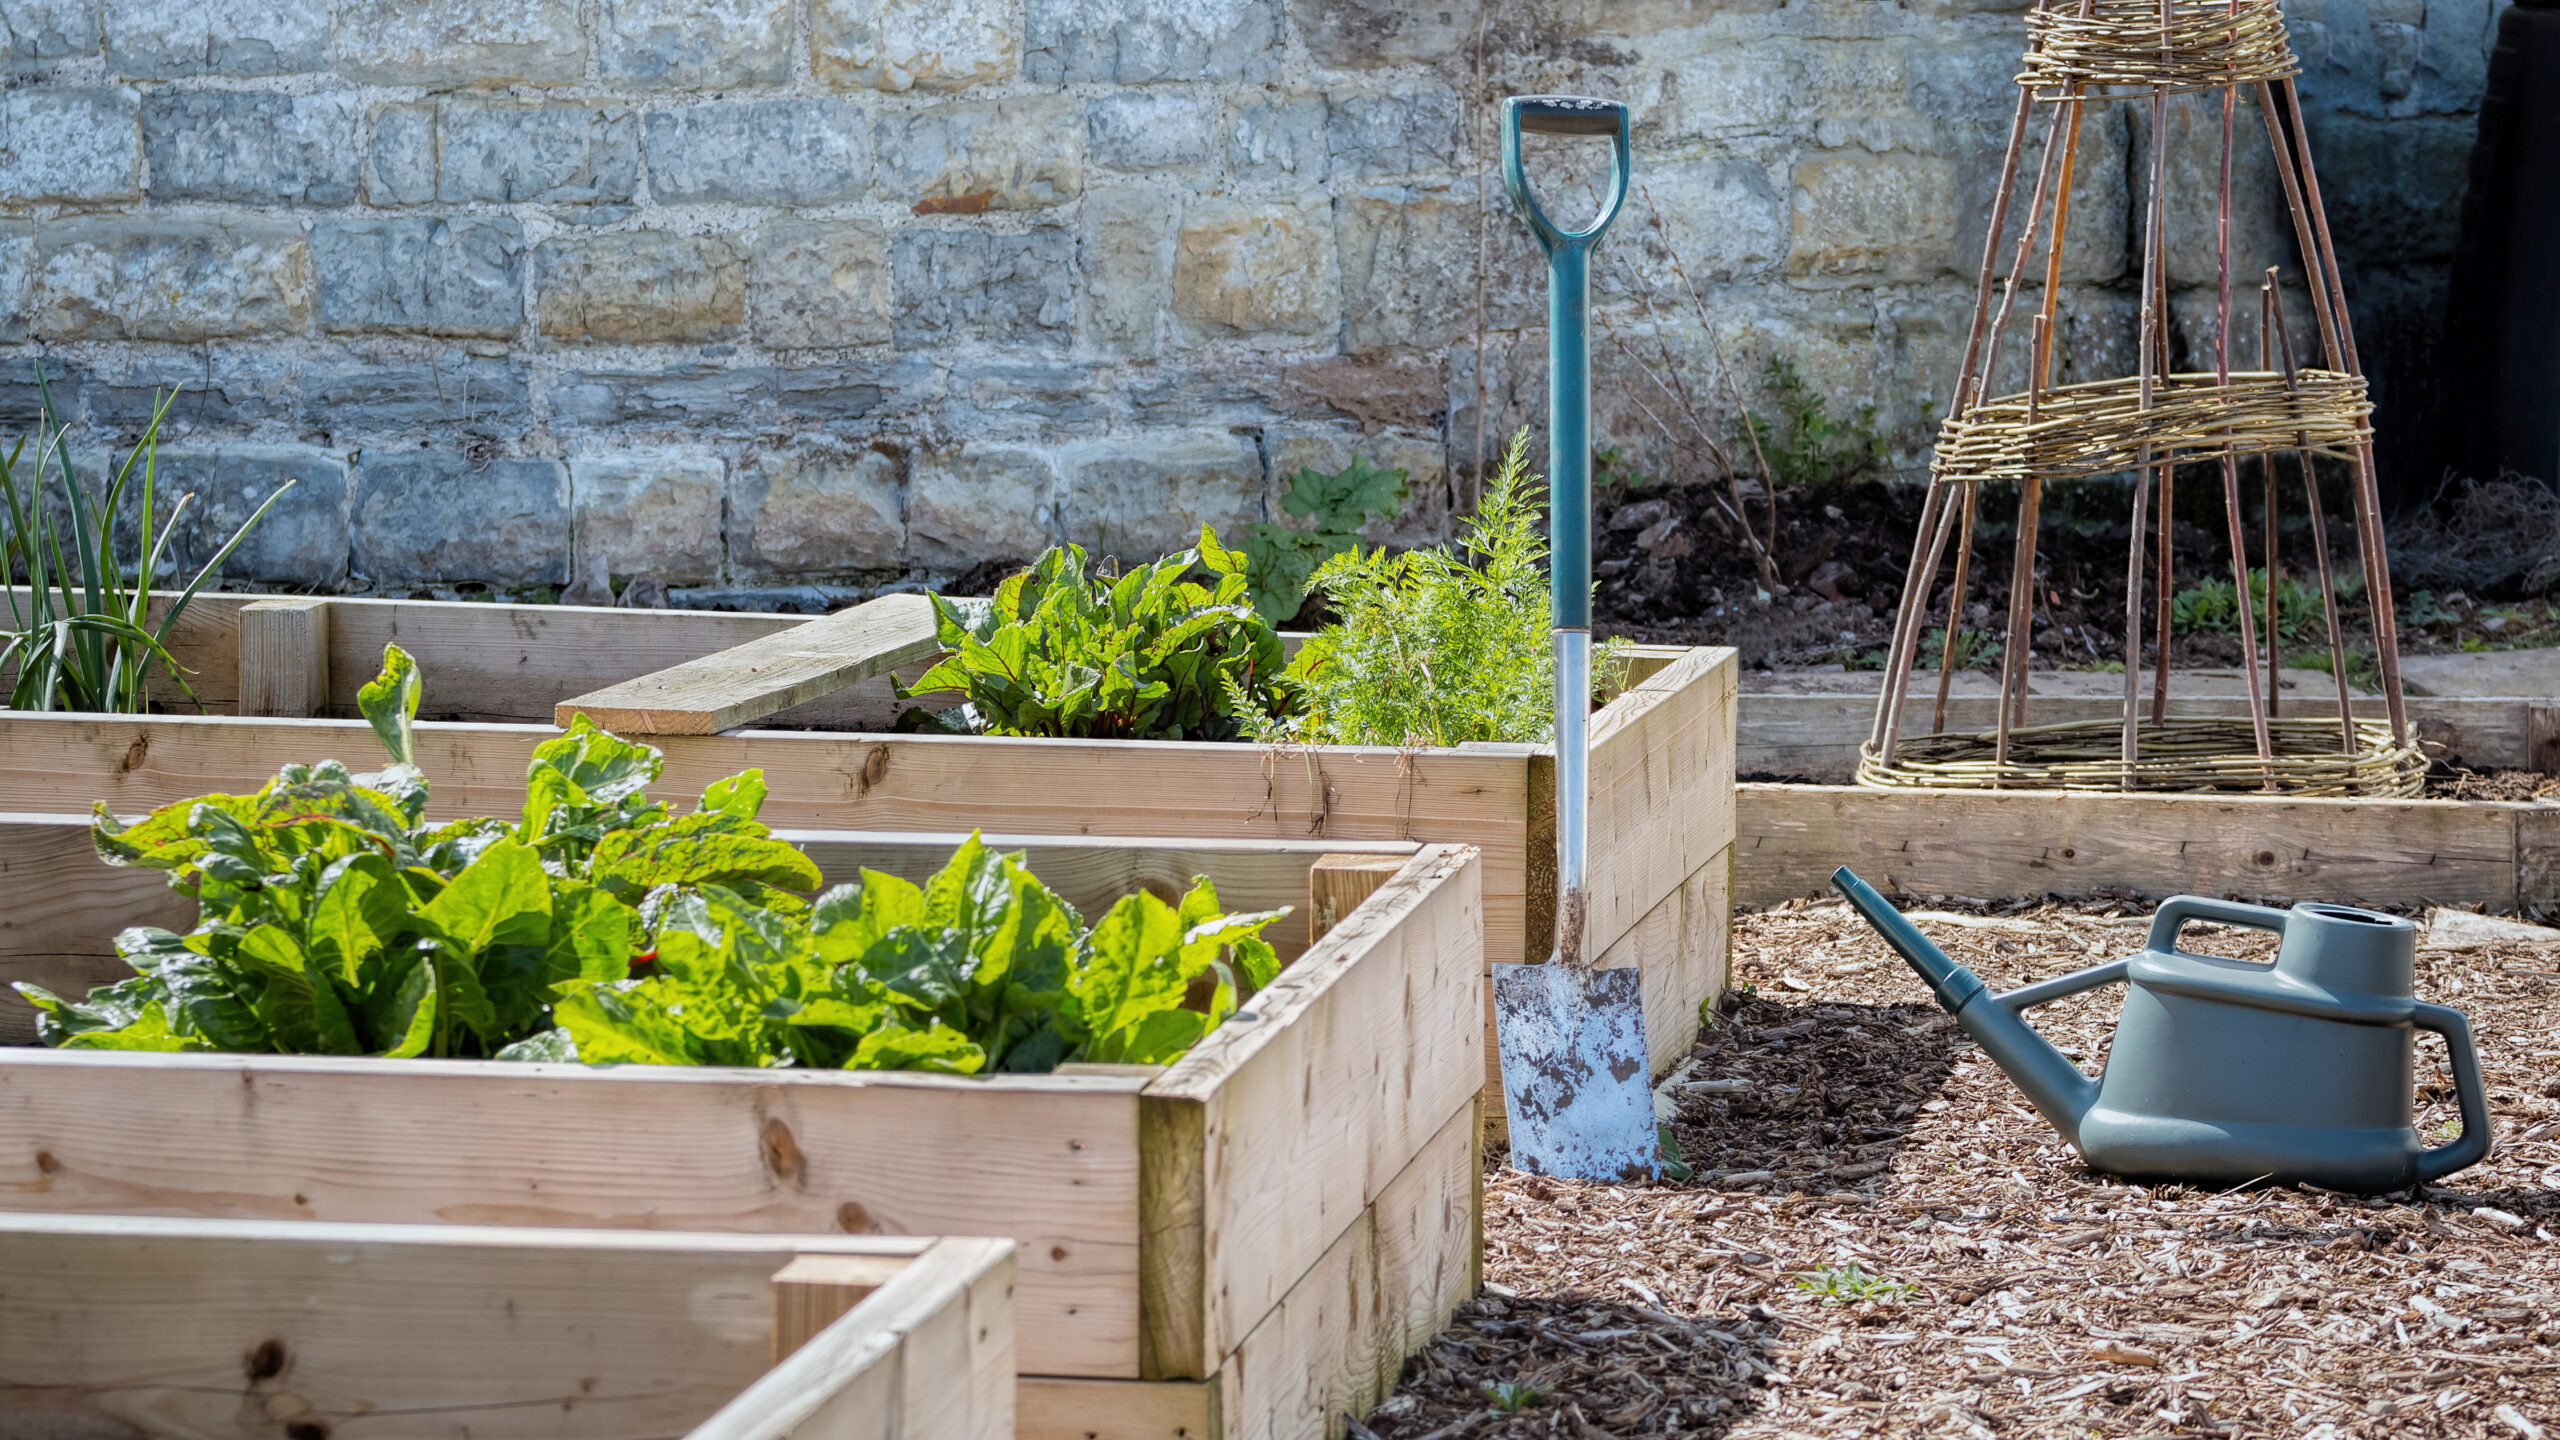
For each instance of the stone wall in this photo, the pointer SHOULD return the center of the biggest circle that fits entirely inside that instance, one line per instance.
(779, 292)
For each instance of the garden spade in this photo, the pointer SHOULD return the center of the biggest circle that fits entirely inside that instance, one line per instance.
(1574, 1079)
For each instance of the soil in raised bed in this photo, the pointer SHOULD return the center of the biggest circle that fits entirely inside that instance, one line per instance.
(1674, 569)
(2010, 1291)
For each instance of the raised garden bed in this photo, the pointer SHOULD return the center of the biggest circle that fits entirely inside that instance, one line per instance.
(1248, 1241)
(1662, 822)
(198, 1329)
(2501, 854)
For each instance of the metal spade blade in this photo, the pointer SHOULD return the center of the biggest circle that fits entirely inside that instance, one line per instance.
(1573, 1071)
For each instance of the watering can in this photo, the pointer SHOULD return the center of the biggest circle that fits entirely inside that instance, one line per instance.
(2227, 1071)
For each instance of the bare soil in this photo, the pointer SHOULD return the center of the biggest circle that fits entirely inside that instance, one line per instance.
(1884, 1239)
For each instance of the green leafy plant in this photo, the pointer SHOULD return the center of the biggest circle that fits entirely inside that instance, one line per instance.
(2420, 608)
(84, 638)
(1434, 647)
(1512, 1397)
(1973, 647)
(1280, 558)
(2211, 607)
(1613, 469)
(980, 969)
(1150, 655)
(1848, 1284)
(332, 919)
(1802, 444)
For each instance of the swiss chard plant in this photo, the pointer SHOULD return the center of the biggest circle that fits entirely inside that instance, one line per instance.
(1154, 654)
(333, 919)
(980, 969)
(1335, 506)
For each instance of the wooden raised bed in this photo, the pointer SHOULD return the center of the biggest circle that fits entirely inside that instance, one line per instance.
(205, 1329)
(1662, 818)
(1246, 1243)
(1987, 843)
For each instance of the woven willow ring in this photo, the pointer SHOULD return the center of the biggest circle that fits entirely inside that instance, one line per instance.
(2100, 428)
(2185, 753)
(2206, 45)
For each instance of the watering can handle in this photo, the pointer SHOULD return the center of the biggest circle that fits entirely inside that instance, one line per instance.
(2177, 910)
(2468, 1148)
(1563, 115)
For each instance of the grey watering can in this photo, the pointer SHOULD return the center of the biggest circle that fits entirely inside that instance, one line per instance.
(2226, 1071)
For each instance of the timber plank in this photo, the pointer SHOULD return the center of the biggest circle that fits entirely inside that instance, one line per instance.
(60, 908)
(2538, 859)
(1816, 737)
(765, 676)
(1362, 1048)
(1046, 1160)
(1989, 843)
(1047, 1407)
(119, 1324)
(1661, 788)
(284, 656)
(1337, 1340)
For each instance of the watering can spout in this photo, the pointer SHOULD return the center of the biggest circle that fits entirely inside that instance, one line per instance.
(2048, 1077)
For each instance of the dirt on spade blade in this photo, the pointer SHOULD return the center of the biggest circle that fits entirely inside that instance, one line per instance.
(1883, 1238)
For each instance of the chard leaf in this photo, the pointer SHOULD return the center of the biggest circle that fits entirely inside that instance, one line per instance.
(554, 1045)
(408, 1016)
(502, 898)
(389, 702)
(703, 848)
(590, 935)
(740, 796)
(936, 1048)
(1131, 971)
(362, 908)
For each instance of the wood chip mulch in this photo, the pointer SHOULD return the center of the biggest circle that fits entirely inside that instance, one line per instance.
(1883, 1238)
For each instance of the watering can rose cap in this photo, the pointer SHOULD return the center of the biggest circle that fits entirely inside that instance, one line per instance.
(2226, 1071)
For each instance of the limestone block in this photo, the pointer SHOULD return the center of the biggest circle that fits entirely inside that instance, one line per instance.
(426, 518)
(400, 167)
(1279, 141)
(251, 147)
(837, 393)
(1367, 33)
(181, 280)
(969, 157)
(302, 541)
(1861, 214)
(201, 388)
(1409, 267)
(18, 270)
(640, 287)
(445, 394)
(977, 501)
(33, 32)
(513, 154)
(695, 44)
(819, 283)
(74, 146)
(1141, 42)
(1242, 269)
(689, 396)
(986, 394)
(461, 42)
(1126, 260)
(1152, 129)
(1399, 132)
(1725, 91)
(2393, 188)
(900, 45)
(763, 152)
(808, 510)
(969, 287)
(463, 276)
(650, 512)
(160, 39)
(2098, 246)
(2261, 227)
(1146, 496)
(1721, 216)
(1644, 17)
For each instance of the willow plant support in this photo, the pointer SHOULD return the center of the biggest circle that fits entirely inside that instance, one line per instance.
(2081, 52)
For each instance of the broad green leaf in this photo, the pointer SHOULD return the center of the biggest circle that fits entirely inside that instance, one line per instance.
(936, 1048)
(698, 849)
(590, 935)
(555, 1045)
(849, 919)
(609, 1030)
(389, 702)
(407, 1019)
(1130, 969)
(741, 795)
(502, 898)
